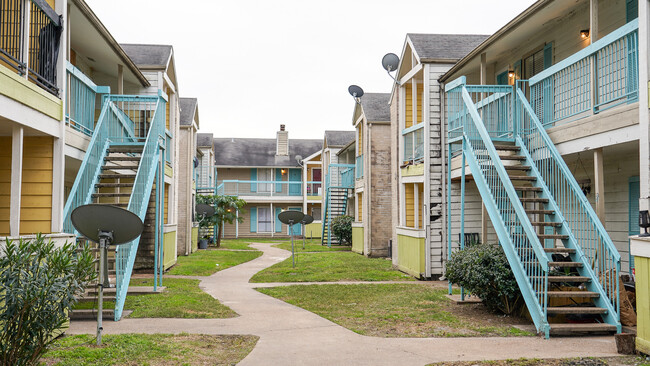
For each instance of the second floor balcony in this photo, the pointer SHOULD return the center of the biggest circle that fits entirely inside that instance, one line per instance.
(251, 190)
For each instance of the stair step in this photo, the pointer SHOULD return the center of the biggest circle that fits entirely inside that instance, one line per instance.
(528, 189)
(573, 294)
(125, 149)
(115, 185)
(573, 279)
(122, 158)
(512, 157)
(546, 223)
(117, 204)
(94, 298)
(540, 212)
(553, 236)
(559, 250)
(575, 310)
(566, 264)
(522, 177)
(116, 176)
(120, 167)
(534, 199)
(570, 328)
(517, 167)
(81, 314)
(97, 195)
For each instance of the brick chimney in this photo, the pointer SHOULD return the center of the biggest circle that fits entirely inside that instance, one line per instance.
(282, 142)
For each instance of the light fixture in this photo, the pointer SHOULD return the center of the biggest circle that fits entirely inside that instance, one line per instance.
(511, 73)
(356, 92)
(389, 62)
(644, 222)
(283, 171)
(584, 34)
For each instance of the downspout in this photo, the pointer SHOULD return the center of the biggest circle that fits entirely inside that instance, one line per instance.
(424, 206)
(444, 162)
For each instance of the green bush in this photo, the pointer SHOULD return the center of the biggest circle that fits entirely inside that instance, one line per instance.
(38, 286)
(483, 270)
(342, 228)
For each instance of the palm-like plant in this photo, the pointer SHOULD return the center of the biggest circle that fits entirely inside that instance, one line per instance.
(225, 211)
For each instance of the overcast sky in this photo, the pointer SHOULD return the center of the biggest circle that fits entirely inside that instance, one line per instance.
(256, 64)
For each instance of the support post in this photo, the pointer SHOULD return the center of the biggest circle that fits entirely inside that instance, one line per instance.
(448, 203)
(462, 211)
(16, 179)
(120, 79)
(593, 21)
(599, 184)
(644, 111)
(156, 234)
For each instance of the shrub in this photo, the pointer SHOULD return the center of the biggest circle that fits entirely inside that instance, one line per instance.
(342, 228)
(38, 285)
(483, 270)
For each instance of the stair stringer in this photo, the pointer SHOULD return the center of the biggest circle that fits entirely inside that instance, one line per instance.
(594, 285)
(537, 311)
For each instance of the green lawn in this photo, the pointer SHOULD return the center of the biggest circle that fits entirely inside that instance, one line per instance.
(182, 299)
(207, 262)
(150, 349)
(394, 310)
(312, 245)
(243, 243)
(331, 267)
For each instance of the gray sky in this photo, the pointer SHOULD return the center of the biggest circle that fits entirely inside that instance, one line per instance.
(257, 64)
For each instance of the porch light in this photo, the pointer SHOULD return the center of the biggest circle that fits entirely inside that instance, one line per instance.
(644, 222)
(584, 34)
(511, 73)
(283, 171)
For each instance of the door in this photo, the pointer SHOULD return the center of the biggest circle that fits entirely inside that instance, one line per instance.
(316, 176)
(295, 175)
(297, 228)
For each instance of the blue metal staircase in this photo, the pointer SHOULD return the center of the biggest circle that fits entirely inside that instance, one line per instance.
(123, 161)
(555, 244)
(338, 182)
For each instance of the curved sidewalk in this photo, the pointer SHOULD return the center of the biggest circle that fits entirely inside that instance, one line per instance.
(293, 336)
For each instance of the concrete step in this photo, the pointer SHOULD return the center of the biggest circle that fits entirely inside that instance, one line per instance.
(575, 328)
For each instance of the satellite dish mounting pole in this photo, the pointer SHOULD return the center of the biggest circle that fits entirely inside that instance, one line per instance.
(303, 237)
(104, 240)
(293, 254)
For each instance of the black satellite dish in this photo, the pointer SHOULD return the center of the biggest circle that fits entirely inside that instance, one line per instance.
(204, 210)
(291, 218)
(105, 225)
(355, 91)
(390, 61)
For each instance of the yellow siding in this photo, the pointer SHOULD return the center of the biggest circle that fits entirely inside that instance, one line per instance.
(167, 121)
(419, 101)
(360, 207)
(169, 249)
(360, 141)
(313, 230)
(409, 201)
(195, 239)
(36, 197)
(357, 239)
(410, 255)
(408, 99)
(642, 268)
(5, 183)
(420, 199)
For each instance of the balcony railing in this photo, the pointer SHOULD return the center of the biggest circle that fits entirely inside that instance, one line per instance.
(80, 105)
(31, 50)
(414, 143)
(359, 166)
(603, 75)
(259, 188)
(314, 188)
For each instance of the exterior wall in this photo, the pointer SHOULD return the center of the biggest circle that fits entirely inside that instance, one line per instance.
(358, 238)
(5, 184)
(314, 230)
(185, 186)
(243, 229)
(169, 249)
(643, 303)
(394, 170)
(379, 200)
(36, 197)
(411, 255)
(195, 238)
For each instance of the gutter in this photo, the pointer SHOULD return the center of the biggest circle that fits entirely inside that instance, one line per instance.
(85, 9)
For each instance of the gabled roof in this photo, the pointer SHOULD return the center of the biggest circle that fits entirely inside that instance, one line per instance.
(149, 55)
(375, 107)
(437, 47)
(188, 109)
(339, 138)
(204, 139)
(251, 152)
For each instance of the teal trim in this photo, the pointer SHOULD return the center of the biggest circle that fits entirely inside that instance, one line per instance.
(278, 178)
(253, 179)
(502, 78)
(460, 81)
(633, 213)
(295, 177)
(548, 55)
(278, 223)
(631, 10)
(413, 128)
(253, 211)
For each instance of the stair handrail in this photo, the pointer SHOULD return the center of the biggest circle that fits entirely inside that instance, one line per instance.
(108, 126)
(536, 140)
(143, 184)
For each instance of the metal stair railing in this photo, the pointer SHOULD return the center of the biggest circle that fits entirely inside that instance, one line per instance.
(587, 234)
(516, 235)
(338, 176)
(149, 164)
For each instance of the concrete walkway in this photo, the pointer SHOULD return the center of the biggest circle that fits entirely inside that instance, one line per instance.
(293, 336)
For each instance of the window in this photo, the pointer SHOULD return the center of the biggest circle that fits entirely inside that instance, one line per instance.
(265, 175)
(315, 213)
(264, 220)
(534, 64)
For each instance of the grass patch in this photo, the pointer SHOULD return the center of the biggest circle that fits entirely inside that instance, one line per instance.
(207, 262)
(331, 267)
(592, 361)
(312, 245)
(181, 299)
(393, 310)
(150, 349)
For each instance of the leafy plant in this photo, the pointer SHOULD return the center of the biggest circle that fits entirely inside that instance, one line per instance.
(484, 271)
(342, 228)
(225, 211)
(38, 286)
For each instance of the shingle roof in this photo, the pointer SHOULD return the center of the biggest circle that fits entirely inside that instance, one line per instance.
(188, 106)
(444, 46)
(375, 106)
(204, 139)
(261, 152)
(148, 54)
(339, 138)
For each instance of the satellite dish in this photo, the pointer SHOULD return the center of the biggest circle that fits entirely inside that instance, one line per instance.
(196, 162)
(204, 210)
(355, 91)
(390, 61)
(93, 219)
(307, 220)
(290, 217)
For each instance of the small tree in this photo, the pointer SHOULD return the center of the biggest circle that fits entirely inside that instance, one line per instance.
(342, 228)
(225, 211)
(38, 286)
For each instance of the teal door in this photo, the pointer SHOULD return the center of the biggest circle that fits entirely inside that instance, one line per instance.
(295, 175)
(633, 217)
(297, 228)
